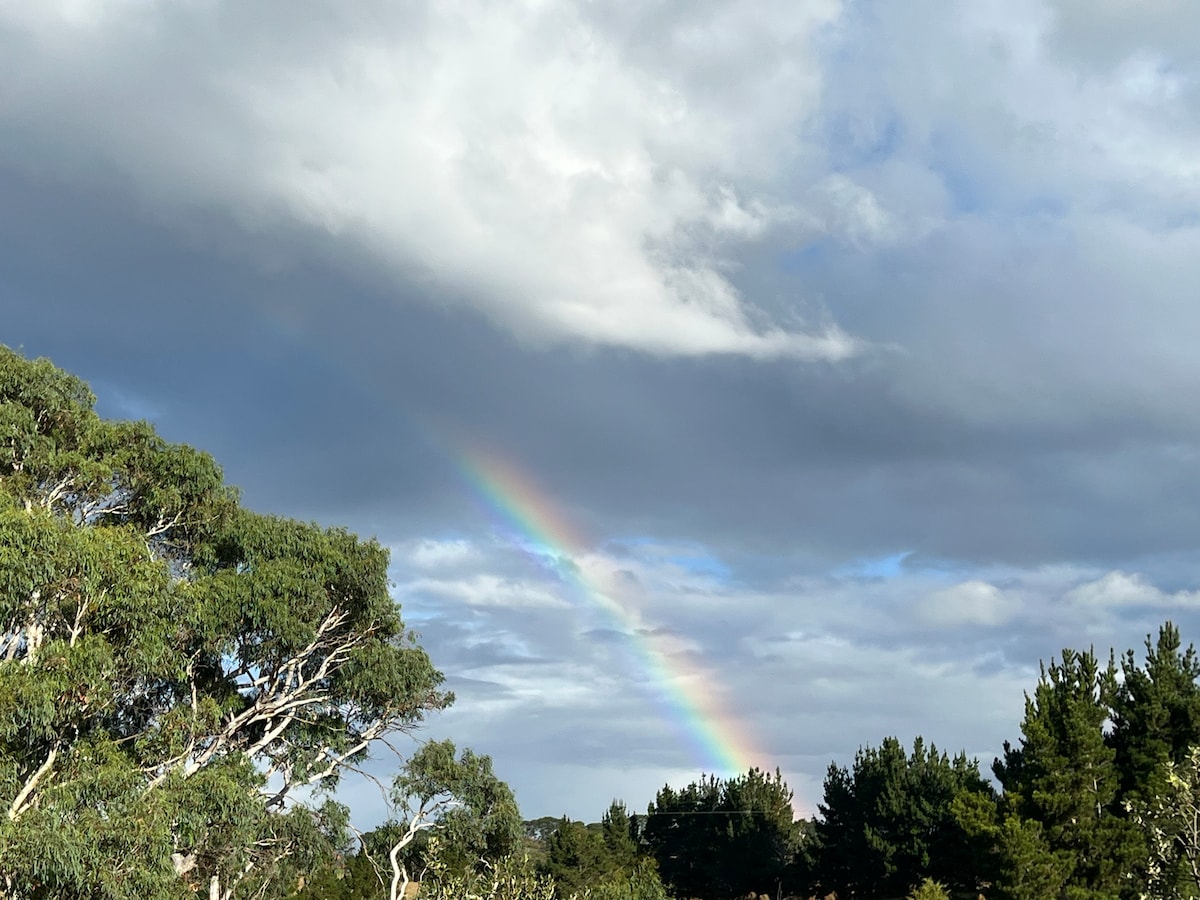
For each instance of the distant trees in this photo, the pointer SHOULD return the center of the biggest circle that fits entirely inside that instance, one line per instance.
(181, 678)
(617, 832)
(1091, 793)
(721, 838)
(601, 860)
(576, 856)
(1098, 798)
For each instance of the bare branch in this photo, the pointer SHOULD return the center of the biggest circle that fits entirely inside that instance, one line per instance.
(77, 627)
(21, 802)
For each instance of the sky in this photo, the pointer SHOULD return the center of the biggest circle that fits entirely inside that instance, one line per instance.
(733, 383)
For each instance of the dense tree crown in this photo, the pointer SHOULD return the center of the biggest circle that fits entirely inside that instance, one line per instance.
(723, 838)
(173, 666)
(887, 822)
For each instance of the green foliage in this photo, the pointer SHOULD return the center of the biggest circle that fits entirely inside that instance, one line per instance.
(616, 829)
(472, 812)
(511, 877)
(577, 856)
(534, 835)
(508, 878)
(889, 821)
(1057, 816)
(1170, 823)
(639, 882)
(345, 877)
(1155, 713)
(721, 839)
(599, 861)
(161, 649)
(929, 890)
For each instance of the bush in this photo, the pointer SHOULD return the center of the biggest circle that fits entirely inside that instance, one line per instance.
(929, 890)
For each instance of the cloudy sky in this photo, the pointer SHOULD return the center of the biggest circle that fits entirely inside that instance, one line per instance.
(733, 382)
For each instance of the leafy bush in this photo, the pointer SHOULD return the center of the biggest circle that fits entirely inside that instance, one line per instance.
(929, 890)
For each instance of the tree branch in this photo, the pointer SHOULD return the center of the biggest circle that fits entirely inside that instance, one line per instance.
(20, 804)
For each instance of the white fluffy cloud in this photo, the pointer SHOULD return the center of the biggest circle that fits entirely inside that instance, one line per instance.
(969, 603)
(1123, 589)
(524, 159)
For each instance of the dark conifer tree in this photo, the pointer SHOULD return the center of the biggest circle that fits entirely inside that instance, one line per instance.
(1058, 813)
(718, 839)
(1155, 712)
(888, 823)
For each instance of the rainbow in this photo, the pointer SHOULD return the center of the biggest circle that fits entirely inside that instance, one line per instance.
(691, 700)
(693, 703)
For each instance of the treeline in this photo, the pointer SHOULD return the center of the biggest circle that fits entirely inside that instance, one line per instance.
(1099, 798)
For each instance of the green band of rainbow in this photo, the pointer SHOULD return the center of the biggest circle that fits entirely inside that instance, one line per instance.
(693, 702)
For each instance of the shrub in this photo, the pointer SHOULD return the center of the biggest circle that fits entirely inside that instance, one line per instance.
(929, 890)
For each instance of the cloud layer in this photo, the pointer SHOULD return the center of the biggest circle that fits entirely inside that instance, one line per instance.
(531, 162)
(856, 342)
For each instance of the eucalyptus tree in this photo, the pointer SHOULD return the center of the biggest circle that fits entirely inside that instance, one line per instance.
(174, 668)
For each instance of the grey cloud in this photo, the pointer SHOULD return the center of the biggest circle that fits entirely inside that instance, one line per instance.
(394, 135)
(1107, 34)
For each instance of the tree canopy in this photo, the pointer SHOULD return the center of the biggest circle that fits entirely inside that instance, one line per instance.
(719, 838)
(887, 822)
(174, 666)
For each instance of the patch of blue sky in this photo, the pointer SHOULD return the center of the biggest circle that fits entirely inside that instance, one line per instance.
(702, 565)
(807, 257)
(875, 568)
(690, 556)
(1181, 220)
(978, 184)
(856, 144)
(418, 607)
(969, 191)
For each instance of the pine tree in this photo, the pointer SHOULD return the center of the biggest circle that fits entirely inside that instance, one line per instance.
(1156, 723)
(720, 838)
(1058, 815)
(889, 822)
(617, 831)
(1155, 713)
(576, 857)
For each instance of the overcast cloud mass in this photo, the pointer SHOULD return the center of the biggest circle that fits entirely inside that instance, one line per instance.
(856, 341)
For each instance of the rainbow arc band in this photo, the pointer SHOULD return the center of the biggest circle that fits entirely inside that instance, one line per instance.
(722, 744)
